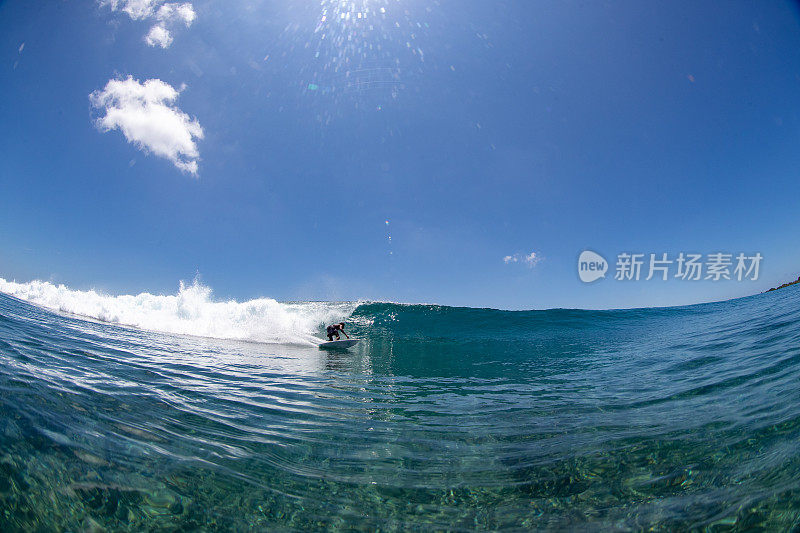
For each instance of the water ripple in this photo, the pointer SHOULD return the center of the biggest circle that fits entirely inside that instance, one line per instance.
(673, 419)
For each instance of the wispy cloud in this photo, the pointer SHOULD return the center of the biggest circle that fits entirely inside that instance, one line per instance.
(136, 9)
(165, 15)
(148, 117)
(530, 260)
(176, 13)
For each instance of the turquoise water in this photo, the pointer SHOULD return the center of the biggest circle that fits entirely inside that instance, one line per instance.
(443, 418)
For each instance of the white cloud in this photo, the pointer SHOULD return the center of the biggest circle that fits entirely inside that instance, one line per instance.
(176, 13)
(148, 117)
(158, 36)
(136, 9)
(166, 15)
(530, 260)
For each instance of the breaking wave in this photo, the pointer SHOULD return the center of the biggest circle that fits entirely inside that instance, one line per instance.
(191, 311)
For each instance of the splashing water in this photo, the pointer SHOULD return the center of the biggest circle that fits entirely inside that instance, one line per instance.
(191, 311)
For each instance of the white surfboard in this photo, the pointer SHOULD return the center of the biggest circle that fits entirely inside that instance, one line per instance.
(339, 345)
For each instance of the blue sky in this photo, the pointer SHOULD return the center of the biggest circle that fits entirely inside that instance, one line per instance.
(479, 130)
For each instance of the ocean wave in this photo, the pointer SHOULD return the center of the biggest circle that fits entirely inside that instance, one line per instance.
(191, 311)
(442, 418)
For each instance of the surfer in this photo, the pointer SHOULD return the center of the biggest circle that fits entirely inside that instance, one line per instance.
(335, 329)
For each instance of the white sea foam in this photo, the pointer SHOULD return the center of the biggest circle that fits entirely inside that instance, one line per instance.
(192, 311)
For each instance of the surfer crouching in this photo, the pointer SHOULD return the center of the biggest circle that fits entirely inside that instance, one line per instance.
(335, 329)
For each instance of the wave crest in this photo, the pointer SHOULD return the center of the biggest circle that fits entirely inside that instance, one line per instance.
(191, 311)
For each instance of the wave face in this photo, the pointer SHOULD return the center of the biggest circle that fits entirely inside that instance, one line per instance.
(442, 418)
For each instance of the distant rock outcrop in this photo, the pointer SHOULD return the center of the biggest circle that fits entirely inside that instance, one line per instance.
(785, 285)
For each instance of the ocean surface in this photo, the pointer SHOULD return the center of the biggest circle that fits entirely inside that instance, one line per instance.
(161, 413)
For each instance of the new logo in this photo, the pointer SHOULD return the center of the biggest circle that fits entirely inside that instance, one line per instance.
(591, 266)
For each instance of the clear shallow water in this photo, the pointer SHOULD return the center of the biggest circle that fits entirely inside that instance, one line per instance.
(447, 418)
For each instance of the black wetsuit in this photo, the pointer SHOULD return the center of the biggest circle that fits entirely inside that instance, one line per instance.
(334, 330)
